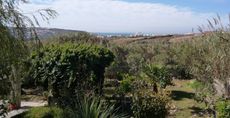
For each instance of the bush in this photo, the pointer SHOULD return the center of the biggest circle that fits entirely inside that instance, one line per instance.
(203, 93)
(68, 70)
(44, 112)
(146, 104)
(126, 84)
(179, 71)
(120, 65)
(78, 37)
(223, 109)
(158, 74)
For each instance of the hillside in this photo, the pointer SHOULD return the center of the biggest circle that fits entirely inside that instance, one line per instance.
(151, 39)
(44, 33)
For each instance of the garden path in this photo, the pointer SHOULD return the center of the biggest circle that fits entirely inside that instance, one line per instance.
(25, 106)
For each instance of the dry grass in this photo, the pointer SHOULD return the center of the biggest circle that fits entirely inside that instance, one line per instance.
(168, 38)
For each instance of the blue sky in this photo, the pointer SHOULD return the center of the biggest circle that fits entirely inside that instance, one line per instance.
(218, 6)
(155, 16)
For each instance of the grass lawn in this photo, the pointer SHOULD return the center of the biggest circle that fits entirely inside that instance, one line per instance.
(182, 98)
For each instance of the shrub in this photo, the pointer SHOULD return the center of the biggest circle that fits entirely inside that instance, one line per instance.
(69, 70)
(120, 65)
(158, 74)
(179, 71)
(77, 37)
(208, 57)
(44, 112)
(126, 84)
(146, 104)
(136, 59)
(202, 93)
(223, 109)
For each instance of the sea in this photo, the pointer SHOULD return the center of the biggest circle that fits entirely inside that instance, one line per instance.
(113, 34)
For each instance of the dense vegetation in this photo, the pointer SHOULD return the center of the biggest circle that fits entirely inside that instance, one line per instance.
(122, 78)
(69, 70)
(144, 71)
(13, 48)
(204, 58)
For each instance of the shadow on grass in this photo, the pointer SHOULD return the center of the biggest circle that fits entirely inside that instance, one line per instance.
(179, 95)
(198, 111)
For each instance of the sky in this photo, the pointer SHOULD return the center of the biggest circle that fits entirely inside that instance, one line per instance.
(147, 16)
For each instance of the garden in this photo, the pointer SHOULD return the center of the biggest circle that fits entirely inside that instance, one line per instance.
(82, 76)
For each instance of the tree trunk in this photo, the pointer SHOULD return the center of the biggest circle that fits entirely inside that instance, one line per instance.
(155, 89)
(227, 88)
(16, 87)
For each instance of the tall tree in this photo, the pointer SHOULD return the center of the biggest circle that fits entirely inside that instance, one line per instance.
(14, 28)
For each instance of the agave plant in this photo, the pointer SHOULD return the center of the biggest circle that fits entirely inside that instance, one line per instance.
(95, 108)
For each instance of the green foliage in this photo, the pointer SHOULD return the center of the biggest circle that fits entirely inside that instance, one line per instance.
(129, 59)
(79, 37)
(15, 26)
(203, 93)
(179, 71)
(44, 112)
(126, 84)
(196, 85)
(13, 52)
(158, 74)
(148, 104)
(204, 58)
(136, 59)
(13, 66)
(95, 108)
(71, 69)
(120, 65)
(223, 109)
(207, 57)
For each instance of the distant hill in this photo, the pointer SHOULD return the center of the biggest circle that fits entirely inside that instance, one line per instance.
(44, 33)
